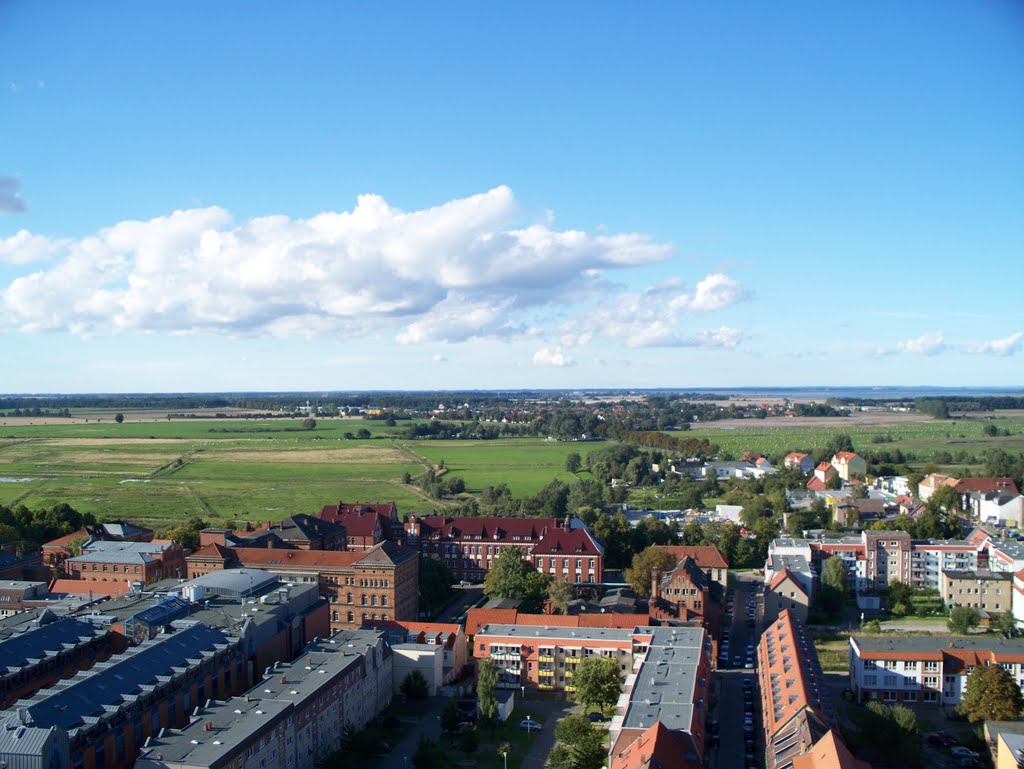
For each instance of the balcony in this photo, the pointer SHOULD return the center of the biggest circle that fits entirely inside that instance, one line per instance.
(545, 657)
(546, 673)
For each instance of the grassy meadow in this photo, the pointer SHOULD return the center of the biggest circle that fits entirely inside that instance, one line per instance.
(161, 472)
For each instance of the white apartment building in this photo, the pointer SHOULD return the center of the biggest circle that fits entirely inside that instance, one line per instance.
(926, 669)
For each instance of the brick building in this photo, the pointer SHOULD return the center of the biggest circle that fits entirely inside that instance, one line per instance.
(708, 559)
(468, 546)
(367, 523)
(360, 585)
(100, 719)
(56, 551)
(145, 562)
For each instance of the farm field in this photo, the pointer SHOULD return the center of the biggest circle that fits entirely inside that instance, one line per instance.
(159, 473)
(923, 438)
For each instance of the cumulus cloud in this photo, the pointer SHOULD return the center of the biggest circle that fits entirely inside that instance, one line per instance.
(552, 356)
(654, 317)
(439, 358)
(10, 201)
(451, 272)
(23, 247)
(1011, 345)
(928, 344)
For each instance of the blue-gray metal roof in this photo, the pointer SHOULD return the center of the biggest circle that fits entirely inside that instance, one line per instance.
(42, 641)
(83, 699)
(165, 611)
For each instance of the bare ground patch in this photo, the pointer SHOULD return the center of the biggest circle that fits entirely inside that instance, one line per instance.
(105, 442)
(353, 456)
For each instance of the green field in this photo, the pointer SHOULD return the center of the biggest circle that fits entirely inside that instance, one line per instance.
(923, 439)
(160, 473)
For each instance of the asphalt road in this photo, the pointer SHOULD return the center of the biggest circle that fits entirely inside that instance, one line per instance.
(731, 753)
(465, 596)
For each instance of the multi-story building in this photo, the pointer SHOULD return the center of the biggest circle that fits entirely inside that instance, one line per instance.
(799, 461)
(295, 718)
(367, 523)
(670, 687)
(56, 551)
(786, 592)
(1001, 554)
(1002, 508)
(849, 465)
(545, 657)
(100, 719)
(927, 669)
(16, 595)
(477, 619)
(708, 558)
(876, 558)
(132, 562)
(451, 637)
(469, 546)
(360, 585)
(798, 718)
(792, 555)
(40, 653)
(990, 592)
(685, 593)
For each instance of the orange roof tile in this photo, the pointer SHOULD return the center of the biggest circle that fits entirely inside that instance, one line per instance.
(84, 587)
(705, 556)
(829, 753)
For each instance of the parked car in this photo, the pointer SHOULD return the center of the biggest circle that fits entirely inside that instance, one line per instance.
(529, 725)
(961, 752)
(596, 717)
(713, 727)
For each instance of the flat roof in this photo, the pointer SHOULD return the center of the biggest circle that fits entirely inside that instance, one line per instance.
(557, 633)
(232, 723)
(666, 687)
(939, 643)
(978, 574)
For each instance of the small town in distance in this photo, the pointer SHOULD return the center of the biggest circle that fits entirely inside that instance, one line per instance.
(849, 604)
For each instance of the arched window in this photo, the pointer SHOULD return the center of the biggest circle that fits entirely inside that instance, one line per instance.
(373, 600)
(350, 598)
(364, 616)
(362, 599)
(384, 617)
(334, 616)
(375, 615)
(351, 617)
(383, 600)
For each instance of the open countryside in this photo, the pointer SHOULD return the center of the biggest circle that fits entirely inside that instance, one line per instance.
(161, 471)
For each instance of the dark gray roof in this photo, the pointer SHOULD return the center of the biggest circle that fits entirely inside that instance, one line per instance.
(38, 642)
(666, 685)
(83, 699)
(938, 643)
(978, 574)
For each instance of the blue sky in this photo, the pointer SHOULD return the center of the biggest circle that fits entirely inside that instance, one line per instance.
(339, 196)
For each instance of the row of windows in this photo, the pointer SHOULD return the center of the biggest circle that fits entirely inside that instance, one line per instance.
(351, 617)
(113, 567)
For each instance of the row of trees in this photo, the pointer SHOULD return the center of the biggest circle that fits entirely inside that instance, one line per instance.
(42, 524)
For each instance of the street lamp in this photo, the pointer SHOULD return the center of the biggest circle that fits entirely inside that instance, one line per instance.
(504, 755)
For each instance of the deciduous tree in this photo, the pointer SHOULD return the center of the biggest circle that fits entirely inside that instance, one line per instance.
(962, 619)
(597, 682)
(992, 695)
(650, 560)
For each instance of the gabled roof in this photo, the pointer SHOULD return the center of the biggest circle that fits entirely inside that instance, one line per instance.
(845, 456)
(568, 542)
(485, 528)
(705, 556)
(333, 512)
(829, 753)
(781, 577)
(816, 484)
(302, 528)
(362, 524)
(656, 748)
(269, 558)
(213, 550)
(86, 586)
(967, 485)
(825, 467)
(386, 553)
(796, 455)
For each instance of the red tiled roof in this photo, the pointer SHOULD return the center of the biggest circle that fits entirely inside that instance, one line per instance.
(333, 512)
(658, 748)
(212, 550)
(845, 456)
(552, 620)
(263, 557)
(705, 556)
(486, 528)
(967, 485)
(816, 484)
(567, 542)
(797, 455)
(477, 618)
(781, 577)
(614, 620)
(67, 539)
(829, 753)
(84, 587)
(442, 632)
(825, 467)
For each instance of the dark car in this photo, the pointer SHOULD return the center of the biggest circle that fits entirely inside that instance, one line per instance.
(715, 740)
(713, 727)
(596, 717)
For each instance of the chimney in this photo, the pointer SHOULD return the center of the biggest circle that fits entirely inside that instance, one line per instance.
(208, 726)
(310, 662)
(270, 543)
(284, 679)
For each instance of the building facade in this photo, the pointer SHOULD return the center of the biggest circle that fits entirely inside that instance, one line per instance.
(990, 592)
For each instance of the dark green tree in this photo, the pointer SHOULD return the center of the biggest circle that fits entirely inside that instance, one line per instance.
(597, 682)
(119, 418)
(962, 619)
(486, 686)
(578, 745)
(991, 695)
(512, 576)
(573, 462)
(415, 686)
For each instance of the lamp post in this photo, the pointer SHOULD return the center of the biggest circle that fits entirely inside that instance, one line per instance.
(504, 755)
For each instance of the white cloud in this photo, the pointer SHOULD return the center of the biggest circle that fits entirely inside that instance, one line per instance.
(439, 358)
(453, 272)
(928, 344)
(23, 247)
(1008, 346)
(654, 318)
(552, 356)
(10, 201)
